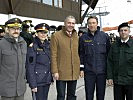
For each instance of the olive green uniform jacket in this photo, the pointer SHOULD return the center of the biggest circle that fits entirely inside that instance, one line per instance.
(64, 55)
(120, 63)
(12, 66)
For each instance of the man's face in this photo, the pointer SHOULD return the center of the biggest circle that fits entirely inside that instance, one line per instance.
(69, 24)
(14, 31)
(2, 34)
(124, 33)
(92, 24)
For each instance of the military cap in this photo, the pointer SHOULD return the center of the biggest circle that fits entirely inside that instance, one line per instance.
(123, 25)
(14, 22)
(27, 21)
(27, 24)
(42, 27)
(2, 28)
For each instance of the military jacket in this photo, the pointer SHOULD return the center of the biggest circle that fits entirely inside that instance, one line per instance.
(12, 66)
(120, 63)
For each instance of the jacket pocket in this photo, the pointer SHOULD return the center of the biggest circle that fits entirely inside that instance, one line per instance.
(101, 47)
(42, 75)
(42, 58)
(8, 57)
(129, 55)
(130, 72)
(88, 48)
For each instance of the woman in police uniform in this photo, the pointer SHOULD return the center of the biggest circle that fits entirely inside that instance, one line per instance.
(38, 63)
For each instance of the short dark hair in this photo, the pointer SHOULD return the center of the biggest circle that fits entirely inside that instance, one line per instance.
(94, 17)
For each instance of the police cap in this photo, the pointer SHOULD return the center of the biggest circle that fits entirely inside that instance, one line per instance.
(14, 22)
(123, 25)
(42, 27)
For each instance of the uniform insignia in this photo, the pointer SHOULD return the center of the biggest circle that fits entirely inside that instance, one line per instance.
(39, 49)
(88, 40)
(0, 27)
(16, 19)
(31, 45)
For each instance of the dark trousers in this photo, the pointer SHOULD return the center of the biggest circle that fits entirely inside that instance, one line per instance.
(42, 92)
(123, 91)
(13, 98)
(91, 81)
(61, 88)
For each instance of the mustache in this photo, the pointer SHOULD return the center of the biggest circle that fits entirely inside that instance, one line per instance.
(15, 33)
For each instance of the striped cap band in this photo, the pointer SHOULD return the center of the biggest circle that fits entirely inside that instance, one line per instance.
(14, 25)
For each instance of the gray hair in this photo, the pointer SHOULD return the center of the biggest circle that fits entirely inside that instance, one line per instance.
(69, 17)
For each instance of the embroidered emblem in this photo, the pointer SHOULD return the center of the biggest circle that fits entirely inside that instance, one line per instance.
(88, 41)
(39, 49)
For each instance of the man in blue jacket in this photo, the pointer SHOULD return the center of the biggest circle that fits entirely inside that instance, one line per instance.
(93, 49)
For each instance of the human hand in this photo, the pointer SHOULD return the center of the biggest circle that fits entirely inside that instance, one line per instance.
(110, 82)
(56, 76)
(81, 74)
(34, 90)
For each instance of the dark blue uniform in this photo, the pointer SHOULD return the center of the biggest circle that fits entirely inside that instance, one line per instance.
(93, 51)
(38, 68)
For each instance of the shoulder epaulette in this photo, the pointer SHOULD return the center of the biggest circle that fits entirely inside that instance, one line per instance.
(31, 45)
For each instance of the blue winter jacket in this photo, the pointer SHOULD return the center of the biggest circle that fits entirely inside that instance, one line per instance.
(93, 50)
(38, 64)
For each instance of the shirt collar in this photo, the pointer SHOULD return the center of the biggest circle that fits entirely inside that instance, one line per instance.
(125, 40)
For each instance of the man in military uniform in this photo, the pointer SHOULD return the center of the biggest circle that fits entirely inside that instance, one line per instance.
(120, 65)
(26, 32)
(2, 31)
(13, 50)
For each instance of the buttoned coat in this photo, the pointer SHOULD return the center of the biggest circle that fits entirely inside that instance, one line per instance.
(64, 55)
(38, 64)
(12, 66)
(120, 62)
(93, 51)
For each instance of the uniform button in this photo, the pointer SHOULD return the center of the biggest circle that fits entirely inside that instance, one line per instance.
(45, 72)
(36, 72)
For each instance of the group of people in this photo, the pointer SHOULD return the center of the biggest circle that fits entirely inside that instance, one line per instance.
(65, 58)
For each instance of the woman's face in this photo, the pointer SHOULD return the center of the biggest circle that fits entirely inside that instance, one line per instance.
(42, 35)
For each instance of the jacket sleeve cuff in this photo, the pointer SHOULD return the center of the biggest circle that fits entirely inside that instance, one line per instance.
(81, 67)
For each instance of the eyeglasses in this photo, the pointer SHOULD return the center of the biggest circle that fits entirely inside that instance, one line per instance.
(15, 29)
